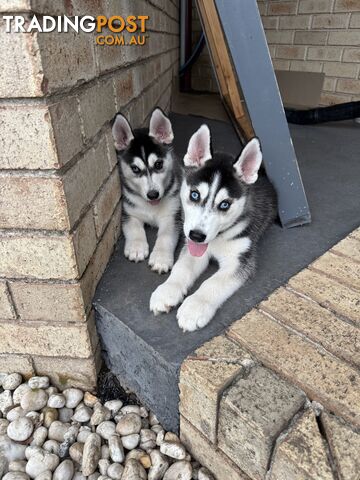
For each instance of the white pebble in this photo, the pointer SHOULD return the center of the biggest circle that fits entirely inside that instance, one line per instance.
(94, 476)
(131, 409)
(3, 375)
(129, 424)
(11, 450)
(20, 429)
(76, 452)
(47, 475)
(73, 397)
(116, 448)
(51, 391)
(35, 417)
(147, 439)
(17, 466)
(57, 431)
(115, 471)
(12, 381)
(181, 470)
(159, 465)
(82, 415)
(64, 471)
(6, 402)
(38, 382)
(52, 446)
(15, 413)
(153, 419)
(56, 400)
(130, 441)
(40, 462)
(101, 414)
(15, 476)
(65, 414)
(31, 450)
(80, 476)
(19, 393)
(91, 454)
(34, 400)
(103, 465)
(173, 450)
(105, 452)
(134, 471)
(39, 437)
(114, 406)
(83, 434)
(105, 429)
(3, 425)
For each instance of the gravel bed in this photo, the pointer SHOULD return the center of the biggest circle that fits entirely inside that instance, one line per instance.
(46, 434)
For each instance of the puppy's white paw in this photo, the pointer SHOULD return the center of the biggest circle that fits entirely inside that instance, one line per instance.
(165, 297)
(136, 251)
(193, 314)
(161, 261)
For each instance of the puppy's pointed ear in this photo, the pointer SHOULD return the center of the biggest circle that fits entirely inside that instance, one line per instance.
(121, 132)
(160, 127)
(199, 148)
(248, 164)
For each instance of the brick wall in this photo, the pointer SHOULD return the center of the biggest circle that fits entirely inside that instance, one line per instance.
(307, 35)
(59, 182)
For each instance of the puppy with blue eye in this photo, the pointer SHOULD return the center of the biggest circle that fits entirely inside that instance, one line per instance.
(150, 188)
(225, 213)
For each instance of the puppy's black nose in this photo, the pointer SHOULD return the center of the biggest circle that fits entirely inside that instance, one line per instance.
(153, 194)
(197, 236)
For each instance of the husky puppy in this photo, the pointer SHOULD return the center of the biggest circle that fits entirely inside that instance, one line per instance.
(150, 189)
(224, 216)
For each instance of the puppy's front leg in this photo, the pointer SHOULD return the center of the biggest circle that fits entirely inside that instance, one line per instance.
(162, 257)
(136, 246)
(197, 310)
(184, 273)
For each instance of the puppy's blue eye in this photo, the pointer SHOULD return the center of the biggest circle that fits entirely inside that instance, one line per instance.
(194, 196)
(135, 169)
(224, 205)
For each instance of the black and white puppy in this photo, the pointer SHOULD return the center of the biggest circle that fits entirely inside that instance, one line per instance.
(150, 188)
(225, 213)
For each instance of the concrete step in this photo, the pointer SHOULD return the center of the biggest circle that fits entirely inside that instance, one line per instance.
(146, 352)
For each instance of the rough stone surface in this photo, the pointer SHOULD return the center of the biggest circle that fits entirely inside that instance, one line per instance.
(253, 412)
(334, 266)
(302, 453)
(344, 445)
(317, 373)
(316, 322)
(6, 308)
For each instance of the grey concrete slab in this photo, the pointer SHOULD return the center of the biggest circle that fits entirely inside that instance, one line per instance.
(146, 351)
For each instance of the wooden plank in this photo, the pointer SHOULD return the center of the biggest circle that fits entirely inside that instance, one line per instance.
(223, 65)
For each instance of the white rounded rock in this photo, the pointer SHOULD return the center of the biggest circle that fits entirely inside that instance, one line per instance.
(116, 448)
(153, 419)
(15, 413)
(181, 470)
(64, 471)
(129, 424)
(34, 400)
(76, 452)
(73, 397)
(51, 446)
(103, 465)
(91, 454)
(56, 400)
(39, 437)
(57, 431)
(19, 393)
(20, 429)
(31, 450)
(80, 476)
(35, 417)
(147, 439)
(65, 414)
(134, 471)
(105, 452)
(47, 475)
(15, 476)
(130, 441)
(17, 466)
(83, 434)
(6, 401)
(173, 450)
(114, 406)
(130, 409)
(106, 429)
(101, 414)
(115, 471)
(11, 450)
(12, 381)
(82, 415)
(40, 462)
(159, 465)
(38, 382)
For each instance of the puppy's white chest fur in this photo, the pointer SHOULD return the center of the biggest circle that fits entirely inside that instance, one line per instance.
(153, 214)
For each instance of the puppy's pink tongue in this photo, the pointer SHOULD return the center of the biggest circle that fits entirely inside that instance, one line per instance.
(197, 249)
